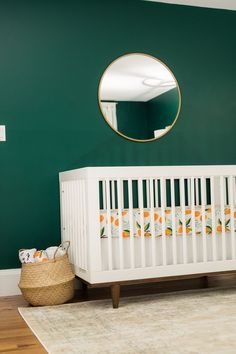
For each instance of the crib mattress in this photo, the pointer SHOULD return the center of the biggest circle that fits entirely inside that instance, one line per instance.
(158, 220)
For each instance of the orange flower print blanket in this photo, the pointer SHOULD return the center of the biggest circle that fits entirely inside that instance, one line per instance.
(158, 220)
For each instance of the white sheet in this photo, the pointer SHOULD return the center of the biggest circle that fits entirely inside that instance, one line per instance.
(169, 252)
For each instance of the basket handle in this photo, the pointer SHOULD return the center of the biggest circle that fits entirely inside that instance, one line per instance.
(62, 244)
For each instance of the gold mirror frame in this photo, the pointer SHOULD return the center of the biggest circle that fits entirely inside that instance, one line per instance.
(117, 131)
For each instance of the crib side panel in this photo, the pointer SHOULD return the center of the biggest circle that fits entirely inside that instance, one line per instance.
(167, 221)
(73, 221)
(79, 203)
(123, 222)
(93, 224)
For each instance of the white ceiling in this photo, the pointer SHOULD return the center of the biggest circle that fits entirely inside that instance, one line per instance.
(217, 4)
(135, 77)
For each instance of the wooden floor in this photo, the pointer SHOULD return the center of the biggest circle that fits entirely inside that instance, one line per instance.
(16, 337)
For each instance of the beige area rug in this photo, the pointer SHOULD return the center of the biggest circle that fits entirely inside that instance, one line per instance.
(202, 321)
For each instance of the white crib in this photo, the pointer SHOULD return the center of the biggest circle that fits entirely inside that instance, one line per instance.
(170, 221)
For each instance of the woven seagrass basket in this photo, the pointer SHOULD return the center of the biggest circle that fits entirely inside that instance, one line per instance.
(47, 283)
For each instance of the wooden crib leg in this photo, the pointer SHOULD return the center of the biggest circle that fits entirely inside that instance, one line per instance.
(115, 294)
(205, 282)
(84, 289)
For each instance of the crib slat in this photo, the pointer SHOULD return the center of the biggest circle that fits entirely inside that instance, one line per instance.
(225, 191)
(152, 223)
(164, 192)
(197, 191)
(231, 203)
(68, 210)
(140, 202)
(131, 222)
(156, 194)
(104, 195)
(78, 224)
(63, 210)
(194, 239)
(83, 228)
(182, 202)
(113, 194)
(163, 224)
(189, 191)
(81, 225)
(72, 226)
(222, 210)
(203, 208)
(108, 204)
(121, 249)
(65, 214)
(69, 227)
(148, 192)
(173, 218)
(122, 193)
(213, 216)
(85, 264)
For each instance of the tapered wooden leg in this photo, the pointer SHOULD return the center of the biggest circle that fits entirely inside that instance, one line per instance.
(84, 289)
(115, 294)
(205, 282)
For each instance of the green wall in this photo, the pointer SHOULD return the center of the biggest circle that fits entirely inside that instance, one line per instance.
(138, 120)
(132, 119)
(53, 54)
(163, 109)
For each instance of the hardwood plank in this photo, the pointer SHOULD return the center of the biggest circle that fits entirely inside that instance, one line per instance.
(14, 332)
(25, 350)
(15, 335)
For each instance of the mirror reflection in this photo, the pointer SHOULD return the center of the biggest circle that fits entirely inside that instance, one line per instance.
(139, 97)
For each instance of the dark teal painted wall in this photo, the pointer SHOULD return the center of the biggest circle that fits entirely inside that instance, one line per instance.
(133, 120)
(163, 110)
(52, 56)
(138, 120)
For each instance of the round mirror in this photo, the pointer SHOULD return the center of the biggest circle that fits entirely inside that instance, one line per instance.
(139, 97)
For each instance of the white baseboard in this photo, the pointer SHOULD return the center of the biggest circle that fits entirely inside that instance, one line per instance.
(9, 279)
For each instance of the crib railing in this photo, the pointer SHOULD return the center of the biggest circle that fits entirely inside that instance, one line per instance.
(73, 220)
(87, 193)
(192, 192)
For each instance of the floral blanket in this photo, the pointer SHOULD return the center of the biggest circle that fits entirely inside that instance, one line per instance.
(125, 223)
